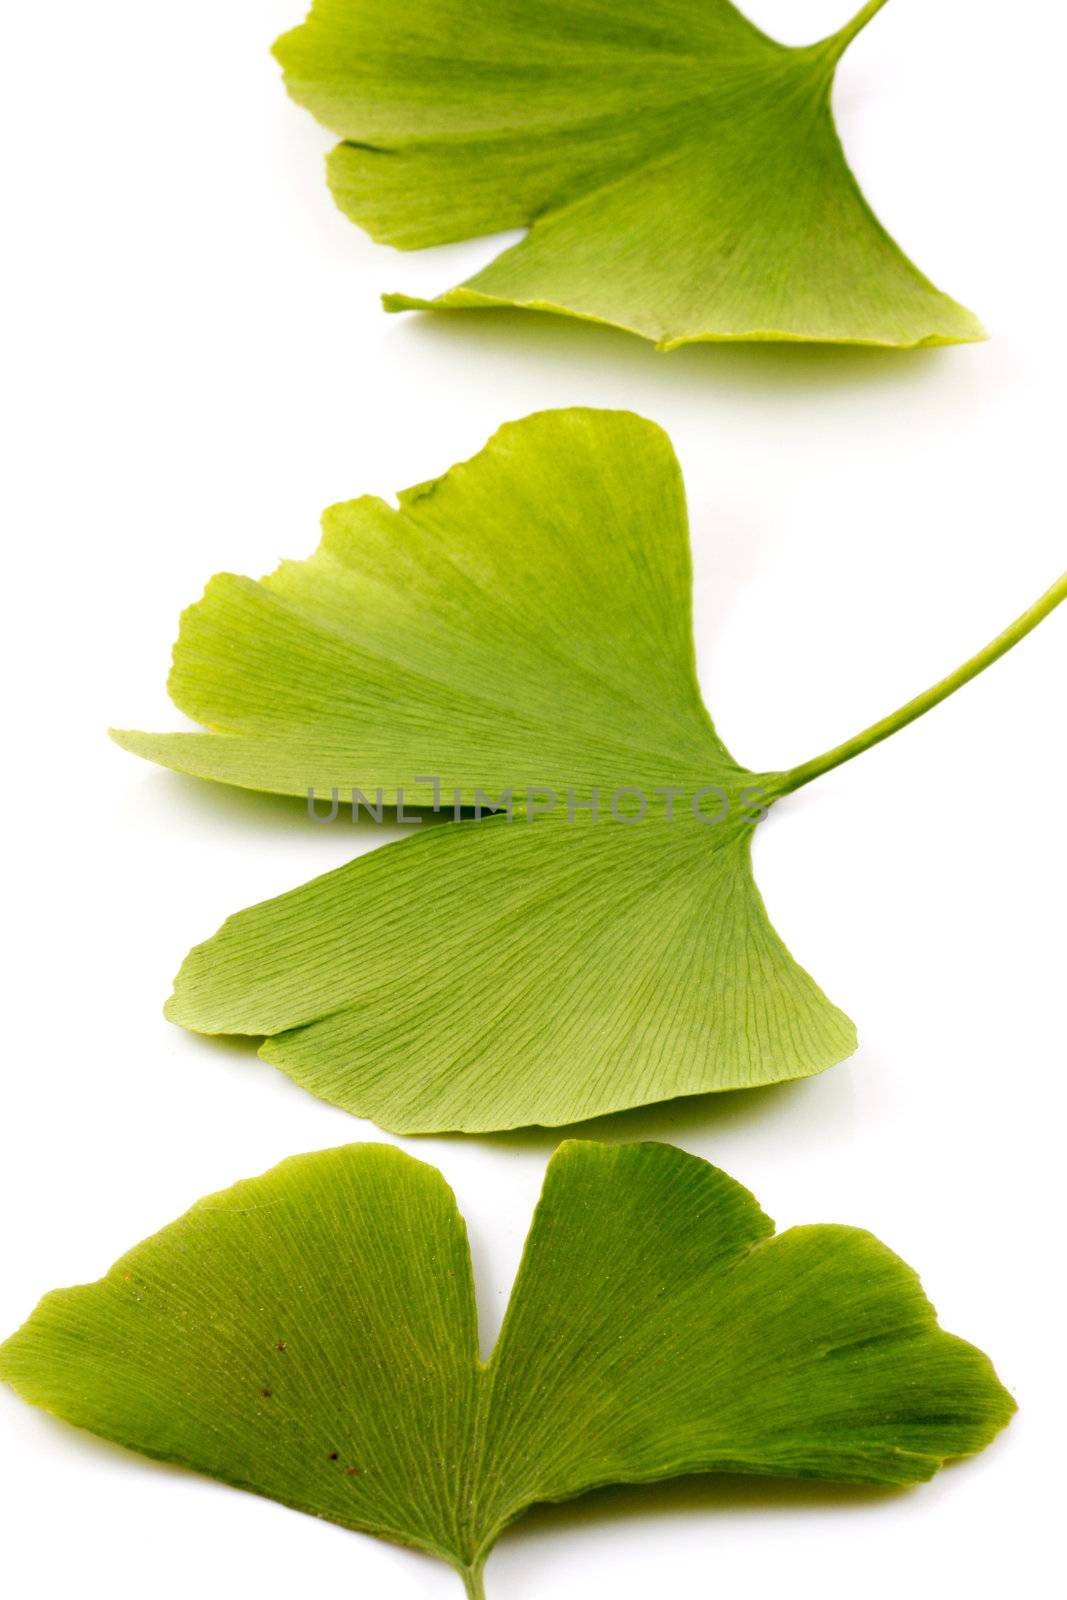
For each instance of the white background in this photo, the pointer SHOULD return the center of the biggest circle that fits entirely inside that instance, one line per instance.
(195, 364)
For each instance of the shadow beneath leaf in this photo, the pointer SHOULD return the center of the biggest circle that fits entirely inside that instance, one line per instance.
(670, 1121)
(279, 813)
(700, 1495)
(79, 1441)
(756, 368)
(234, 1045)
(683, 1121)
(697, 1495)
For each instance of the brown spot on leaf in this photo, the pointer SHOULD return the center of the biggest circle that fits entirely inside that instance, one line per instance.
(266, 1393)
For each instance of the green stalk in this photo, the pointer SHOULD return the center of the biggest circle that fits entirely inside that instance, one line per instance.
(473, 1581)
(838, 43)
(795, 779)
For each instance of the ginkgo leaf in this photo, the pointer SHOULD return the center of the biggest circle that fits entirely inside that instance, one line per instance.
(520, 626)
(678, 171)
(311, 1335)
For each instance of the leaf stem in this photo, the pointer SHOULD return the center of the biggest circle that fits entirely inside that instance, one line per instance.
(798, 776)
(839, 42)
(473, 1580)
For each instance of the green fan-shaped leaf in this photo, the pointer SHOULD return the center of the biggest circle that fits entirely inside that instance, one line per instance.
(311, 1335)
(679, 172)
(522, 625)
